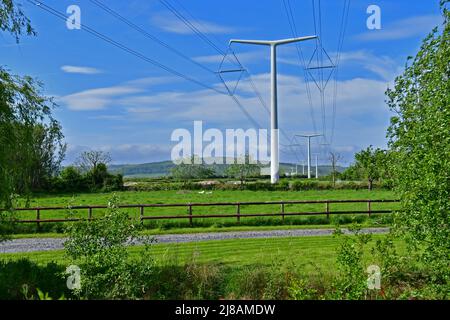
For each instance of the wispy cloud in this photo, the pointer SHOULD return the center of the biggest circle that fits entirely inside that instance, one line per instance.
(95, 99)
(101, 98)
(169, 23)
(245, 57)
(80, 70)
(403, 29)
(383, 66)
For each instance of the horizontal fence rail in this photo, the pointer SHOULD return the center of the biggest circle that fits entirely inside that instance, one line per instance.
(190, 214)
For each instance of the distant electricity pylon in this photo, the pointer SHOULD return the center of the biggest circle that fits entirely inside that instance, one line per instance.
(317, 165)
(274, 150)
(309, 136)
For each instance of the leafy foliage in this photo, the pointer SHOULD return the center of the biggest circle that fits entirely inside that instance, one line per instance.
(190, 169)
(371, 165)
(21, 279)
(419, 136)
(13, 20)
(99, 248)
(351, 282)
(243, 168)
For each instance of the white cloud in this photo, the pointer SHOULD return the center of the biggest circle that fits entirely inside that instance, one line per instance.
(244, 57)
(361, 114)
(383, 66)
(101, 98)
(403, 29)
(171, 24)
(95, 99)
(80, 70)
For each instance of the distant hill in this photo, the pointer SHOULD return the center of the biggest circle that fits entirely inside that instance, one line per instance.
(162, 168)
(152, 169)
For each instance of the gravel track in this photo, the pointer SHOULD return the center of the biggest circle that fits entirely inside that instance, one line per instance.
(48, 244)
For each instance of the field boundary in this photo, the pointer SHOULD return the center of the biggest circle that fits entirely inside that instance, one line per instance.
(238, 215)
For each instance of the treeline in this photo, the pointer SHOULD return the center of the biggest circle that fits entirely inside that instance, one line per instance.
(72, 179)
(371, 165)
(370, 169)
(89, 173)
(32, 147)
(285, 184)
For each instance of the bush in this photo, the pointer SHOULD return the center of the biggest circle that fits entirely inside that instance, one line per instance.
(20, 280)
(113, 183)
(300, 185)
(98, 247)
(71, 180)
(351, 282)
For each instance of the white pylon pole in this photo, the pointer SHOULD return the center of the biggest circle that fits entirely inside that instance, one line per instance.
(309, 158)
(317, 169)
(274, 150)
(309, 136)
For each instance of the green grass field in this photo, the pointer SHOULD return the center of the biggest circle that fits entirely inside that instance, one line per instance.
(216, 196)
(158, 197)
(308, 254)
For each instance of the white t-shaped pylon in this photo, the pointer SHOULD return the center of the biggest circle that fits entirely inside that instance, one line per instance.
(274, 151)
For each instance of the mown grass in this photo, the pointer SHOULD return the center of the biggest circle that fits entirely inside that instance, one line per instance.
(158, 197)
(307, 254)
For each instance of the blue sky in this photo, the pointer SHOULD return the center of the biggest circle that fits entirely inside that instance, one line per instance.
(113, 101)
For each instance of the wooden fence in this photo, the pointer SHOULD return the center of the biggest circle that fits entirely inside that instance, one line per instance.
(282, 213)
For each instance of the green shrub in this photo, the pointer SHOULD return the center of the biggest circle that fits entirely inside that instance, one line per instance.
(20, 280)
(351, 281)
(70, 180)
(98, 247)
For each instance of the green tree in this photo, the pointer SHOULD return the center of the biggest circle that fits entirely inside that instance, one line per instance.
(190, 169)
(13, 20)
(419, 137)
(31, 146)
(242, 169)
(369, 162)
(351, 173)
(72, 179)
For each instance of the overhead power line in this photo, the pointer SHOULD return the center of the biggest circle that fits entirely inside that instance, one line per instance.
(154, 38)
(301, 58)
(141, 56)
(343, 28)
(137, 54)
(193, 27)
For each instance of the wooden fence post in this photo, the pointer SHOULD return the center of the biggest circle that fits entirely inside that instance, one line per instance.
(238, 213)
(90, 214)
(38, 217)
(141, 214)
(190, 214)
(369, 207)
(282, 212)
(327, 207)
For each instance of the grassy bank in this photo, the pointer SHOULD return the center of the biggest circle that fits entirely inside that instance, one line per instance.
(231, 269)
